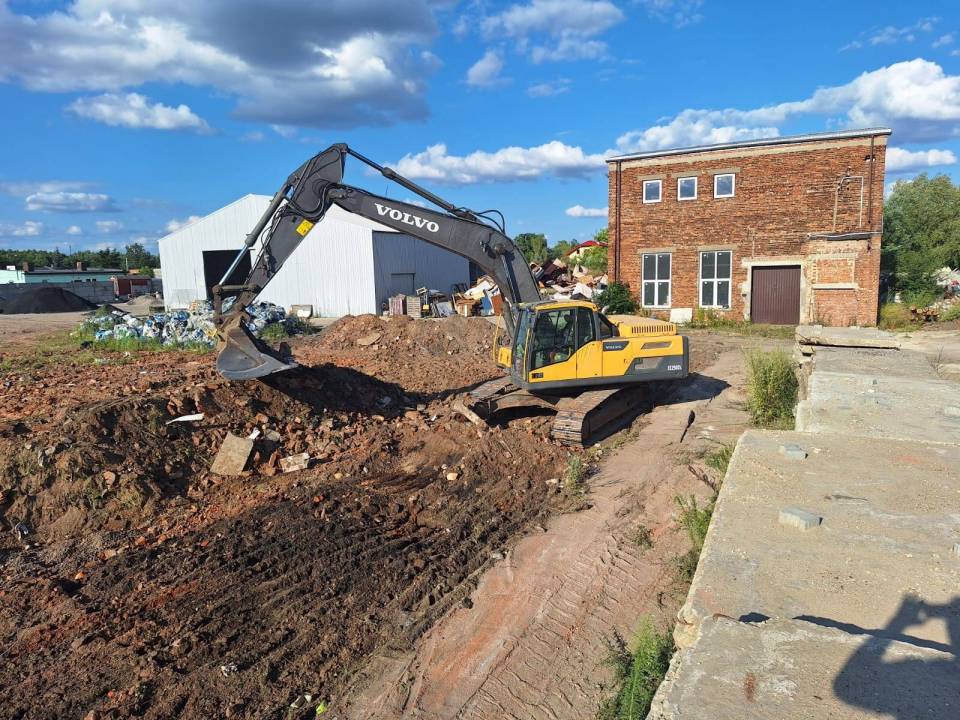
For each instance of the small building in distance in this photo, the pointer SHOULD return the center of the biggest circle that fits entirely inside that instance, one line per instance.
(780, 230)
(26, 274)
(346, 265)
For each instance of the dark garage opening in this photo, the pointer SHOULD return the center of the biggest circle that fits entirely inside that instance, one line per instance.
(215, 264)
(775, 295)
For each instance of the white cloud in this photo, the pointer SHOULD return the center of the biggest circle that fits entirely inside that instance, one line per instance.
(944, 40)
(485, 72)
(285, 131)
(679, 12)
(175, 225)
(133, 110)
(899, 160)
(917, 99)
(579, 211)
(23, 188)
(74, 230)
(512, 163)
(563, 28)
(549, 89)
(27, 229)
(893, 34)
(327, 64)
(108, 227)
(693, 127)
(70, 202)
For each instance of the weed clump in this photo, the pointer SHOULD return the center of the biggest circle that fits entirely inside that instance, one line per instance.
(719, 459)
(896, 316)
(637, 672)
(771, 389)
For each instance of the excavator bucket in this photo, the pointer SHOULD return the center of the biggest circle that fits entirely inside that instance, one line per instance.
(244, 357)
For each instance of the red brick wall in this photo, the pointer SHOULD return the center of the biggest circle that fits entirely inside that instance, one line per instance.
(783, 193)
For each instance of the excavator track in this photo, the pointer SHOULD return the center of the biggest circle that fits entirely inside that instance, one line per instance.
(579, 419)
(582, 418)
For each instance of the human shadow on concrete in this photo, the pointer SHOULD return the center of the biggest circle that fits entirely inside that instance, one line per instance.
(896, 675)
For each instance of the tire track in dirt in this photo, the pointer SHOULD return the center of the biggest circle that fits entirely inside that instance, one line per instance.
(533, 643)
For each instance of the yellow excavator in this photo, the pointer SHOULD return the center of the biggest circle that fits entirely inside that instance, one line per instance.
(562, 355)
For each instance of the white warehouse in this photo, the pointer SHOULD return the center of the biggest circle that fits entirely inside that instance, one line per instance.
(347, 265)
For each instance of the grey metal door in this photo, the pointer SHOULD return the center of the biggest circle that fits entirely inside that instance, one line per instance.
(775, 295)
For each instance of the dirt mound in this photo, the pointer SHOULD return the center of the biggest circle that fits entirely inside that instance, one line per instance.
(154, 588)
(46, 300)
(453, 353)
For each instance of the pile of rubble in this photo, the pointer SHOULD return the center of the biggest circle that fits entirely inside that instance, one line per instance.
(557, 279)
(193, 326)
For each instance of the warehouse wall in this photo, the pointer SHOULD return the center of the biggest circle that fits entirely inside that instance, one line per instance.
(432, 267)
(331, 269)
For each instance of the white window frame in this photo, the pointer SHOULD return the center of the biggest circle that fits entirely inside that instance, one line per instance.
(695, 184)
(659, 184)
(657, 281)
(733, 184)
(714, 279)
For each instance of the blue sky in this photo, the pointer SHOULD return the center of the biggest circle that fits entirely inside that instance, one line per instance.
(123, 118)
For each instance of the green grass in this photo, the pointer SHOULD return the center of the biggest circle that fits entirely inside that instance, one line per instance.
(706, 319)
(643, 537)
(719, 459)
(897, 316)
(771, 388)
(574, 474)
(285, 329)
(638, 670)
(951, 313)
(696, 521)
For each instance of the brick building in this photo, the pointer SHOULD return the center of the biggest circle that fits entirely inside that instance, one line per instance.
(781, 230)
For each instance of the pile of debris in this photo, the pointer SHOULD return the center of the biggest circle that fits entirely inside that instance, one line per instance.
(193, 326)
(46, 300)
(557, 279)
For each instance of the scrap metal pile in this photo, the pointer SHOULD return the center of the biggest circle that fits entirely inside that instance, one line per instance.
(193, 326)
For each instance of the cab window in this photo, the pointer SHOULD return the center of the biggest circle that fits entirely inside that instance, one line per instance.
(607, 328)
(523, 331)
(553, 337)
(586, 332)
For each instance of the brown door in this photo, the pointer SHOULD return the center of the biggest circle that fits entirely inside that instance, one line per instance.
(775, 295)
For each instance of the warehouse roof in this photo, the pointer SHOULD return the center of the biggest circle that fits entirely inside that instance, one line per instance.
(761, 142)
(335, 211)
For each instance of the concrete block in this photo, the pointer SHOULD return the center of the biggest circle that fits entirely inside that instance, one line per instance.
(891, 524)
(232, 457)
(801, 519)
(792, 451)
(798, 670)
(291, 463)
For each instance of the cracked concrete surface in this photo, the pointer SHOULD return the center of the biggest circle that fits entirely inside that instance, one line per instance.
(859, 616)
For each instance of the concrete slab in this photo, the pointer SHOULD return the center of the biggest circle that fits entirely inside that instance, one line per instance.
(880, 406)
(796, 670)
(876, 363)
(232, 457)
(862, 337)
(891, 517)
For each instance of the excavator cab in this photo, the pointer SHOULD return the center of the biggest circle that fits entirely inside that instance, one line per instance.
(566, 344)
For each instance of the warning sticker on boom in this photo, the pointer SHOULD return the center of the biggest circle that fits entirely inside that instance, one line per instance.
(304, 227)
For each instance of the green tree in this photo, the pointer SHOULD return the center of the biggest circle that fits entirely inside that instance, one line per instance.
(594, 260)
(137, 256)
(921, 233)
(559, 250)
(533, 246)
(602, 235)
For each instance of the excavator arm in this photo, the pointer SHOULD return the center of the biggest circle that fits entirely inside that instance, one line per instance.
(303, 200)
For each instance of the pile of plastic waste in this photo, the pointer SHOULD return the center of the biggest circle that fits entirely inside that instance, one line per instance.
(193, 326)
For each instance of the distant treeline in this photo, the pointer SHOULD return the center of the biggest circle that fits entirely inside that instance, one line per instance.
(133, 256)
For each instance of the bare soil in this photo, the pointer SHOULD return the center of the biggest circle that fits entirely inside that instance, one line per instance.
(148, 587)
(135, 583)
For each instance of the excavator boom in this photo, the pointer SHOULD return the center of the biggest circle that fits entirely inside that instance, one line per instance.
(303, 200)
